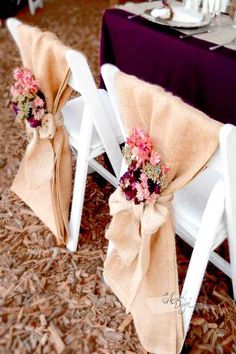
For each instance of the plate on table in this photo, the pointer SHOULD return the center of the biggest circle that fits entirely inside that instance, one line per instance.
(170, 23)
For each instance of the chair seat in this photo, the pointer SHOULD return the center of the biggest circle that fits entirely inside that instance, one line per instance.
(189, 204)
(74, 108)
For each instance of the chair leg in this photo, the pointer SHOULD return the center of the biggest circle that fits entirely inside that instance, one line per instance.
(33, 4)
(95, 166)
(232, 251)
(31, 7)
(77, 204)
(201, 252)
(80, 180)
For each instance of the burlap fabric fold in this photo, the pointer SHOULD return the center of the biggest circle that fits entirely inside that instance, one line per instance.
(44, 178)
(141, 268)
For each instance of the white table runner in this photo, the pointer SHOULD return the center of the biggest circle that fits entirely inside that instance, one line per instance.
(220, 31)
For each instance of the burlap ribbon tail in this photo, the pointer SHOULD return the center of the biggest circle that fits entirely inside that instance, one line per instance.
(148, 219)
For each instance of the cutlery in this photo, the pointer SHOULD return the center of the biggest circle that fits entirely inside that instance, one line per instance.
(136, 15)
(193, 34)
(223, 44)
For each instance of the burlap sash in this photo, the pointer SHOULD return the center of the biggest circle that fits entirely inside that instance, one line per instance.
(135, 240)
(44, 178)
(142, 268)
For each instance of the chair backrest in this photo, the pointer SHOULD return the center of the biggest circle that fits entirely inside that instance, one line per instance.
(108, 72)
(223, 160)
(81, 80)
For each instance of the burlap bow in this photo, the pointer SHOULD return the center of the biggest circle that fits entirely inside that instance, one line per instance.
(44, 178)
(40, 154)
(141, 267)
(135, 240)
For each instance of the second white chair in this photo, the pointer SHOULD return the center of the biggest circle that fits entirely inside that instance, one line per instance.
(204, 210)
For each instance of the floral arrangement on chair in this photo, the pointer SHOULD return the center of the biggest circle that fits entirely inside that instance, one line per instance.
(28, 102)
(146, 175)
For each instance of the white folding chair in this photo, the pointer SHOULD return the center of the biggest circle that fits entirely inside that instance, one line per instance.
(91, 123)
(34, 4)
(204, 210)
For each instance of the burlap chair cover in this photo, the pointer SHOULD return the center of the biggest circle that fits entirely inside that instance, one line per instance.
(142, 266)
(44, 178)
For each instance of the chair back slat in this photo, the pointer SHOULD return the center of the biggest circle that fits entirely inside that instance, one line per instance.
(108, 72)
(83, 82)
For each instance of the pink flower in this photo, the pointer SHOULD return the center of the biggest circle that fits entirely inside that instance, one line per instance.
(38, 102)
(144, 180)
(135, 152)
(20, 89)
(142, 192)
(140, 139)
(165, 169)
(144, 155)
(39, 114)
(18, 74)
(25, 81)
(141, 146)
(154, 158)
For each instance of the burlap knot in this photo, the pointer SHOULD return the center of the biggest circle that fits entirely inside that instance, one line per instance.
(135, 241)
(41, 147)
(49, 124)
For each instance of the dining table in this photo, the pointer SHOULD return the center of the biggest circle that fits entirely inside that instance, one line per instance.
(204, 78)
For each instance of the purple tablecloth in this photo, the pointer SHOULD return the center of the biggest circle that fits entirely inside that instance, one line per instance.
(187, 68)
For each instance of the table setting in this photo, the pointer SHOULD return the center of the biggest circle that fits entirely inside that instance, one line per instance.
(198, 63)
(206, 22)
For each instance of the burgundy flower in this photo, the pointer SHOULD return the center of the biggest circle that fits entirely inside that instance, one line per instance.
(137, 174)
(34, 123)
(136, 201)
(132, 165)
(157, 189)
(126, 175)
(15, 108)
(130, 193)
(127, 178)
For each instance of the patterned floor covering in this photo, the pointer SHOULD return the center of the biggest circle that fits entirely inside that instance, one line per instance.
(52, 301)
